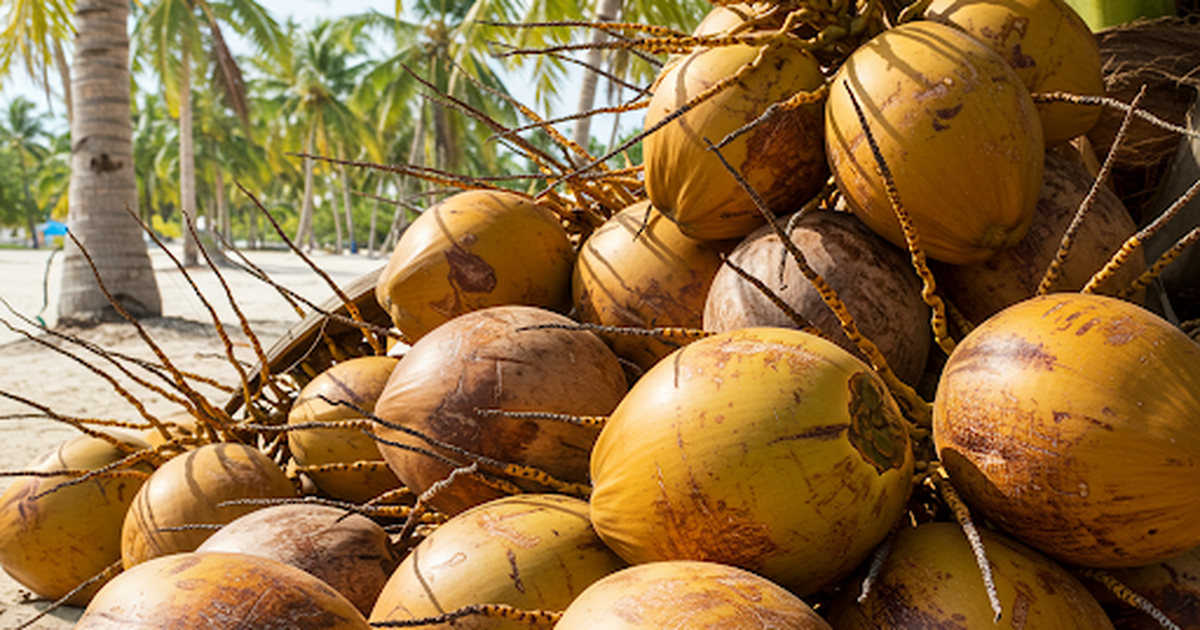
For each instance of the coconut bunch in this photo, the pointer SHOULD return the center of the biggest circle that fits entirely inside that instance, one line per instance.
(718, 389)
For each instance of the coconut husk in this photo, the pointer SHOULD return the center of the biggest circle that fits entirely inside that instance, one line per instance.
(1164, 55)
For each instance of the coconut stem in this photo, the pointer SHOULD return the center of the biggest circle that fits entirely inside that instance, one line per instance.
(532, 618)
(685, 335)
(962, 514)
(596, 422)
(1068, 238)
(1133, 242)
(918, 411)
(1108, 101)
(1128, 596)
(877, 560)
(1166, 259)
(911, 238)
(105, 574)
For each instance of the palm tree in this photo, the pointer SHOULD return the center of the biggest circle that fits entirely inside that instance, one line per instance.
(21, 132)
(174, 35)
(103, 187)
(309, 90)
(34, 33)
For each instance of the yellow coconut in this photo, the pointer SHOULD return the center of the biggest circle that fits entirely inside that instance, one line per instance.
(639, 270)
(688, 594)
(531, 551)
(180, 425)
(1048, 45)
(1072, 422)
(782, 159)
(357, 381)
(185, 591)
(768, 449)
(873, 278)
(473, 250)
(722, 20)
(983, 289)
(957, 129)
(54, 542)
(490, 360)
(175, 509)
(930, 579)
(347, 551)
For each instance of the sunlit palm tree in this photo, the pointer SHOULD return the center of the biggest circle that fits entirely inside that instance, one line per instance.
(309, 90)
(173, 36)
(22, 131)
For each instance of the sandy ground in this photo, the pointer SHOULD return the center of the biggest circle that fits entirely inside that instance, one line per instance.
(58, 379)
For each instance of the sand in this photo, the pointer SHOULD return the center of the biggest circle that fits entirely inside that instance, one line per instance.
(34, 370)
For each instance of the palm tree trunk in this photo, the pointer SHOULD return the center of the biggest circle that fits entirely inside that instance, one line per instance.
(187, 160)
(349, 215)
(337, 221)
(103, 188)
(223, 223)
(581, 134)
(304, 229)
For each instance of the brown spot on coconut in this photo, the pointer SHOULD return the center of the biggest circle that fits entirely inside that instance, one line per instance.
(491, 360)
(347, 551)
(872, 277)
(983, 289)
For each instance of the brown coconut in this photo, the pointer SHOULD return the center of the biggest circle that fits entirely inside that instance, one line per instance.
(491, 360)
(783, 159)
(363, 475)
(473, 250)
(347, 551)
(1049, 46)
(873, 278)
(930, 579)
(982, 289)
(52, 542)
(174, 510)
(531, 551)
(639, 270)
(688, 594)
(186, 591)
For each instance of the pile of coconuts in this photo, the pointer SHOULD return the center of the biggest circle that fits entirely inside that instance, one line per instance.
(832, 369)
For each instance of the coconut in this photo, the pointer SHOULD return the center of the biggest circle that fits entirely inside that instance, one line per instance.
(957, 129)
(782, 159)
(357, 381)
(931, 579)
(688, 594)
(1072, 422)
(981, 290)
(1172, 586)
(1047, 44)
(185, 591)
(175, 509)
(639, 270)
(474, 250)
(492, 360)
(347, 551)
(768, 449)
(872, 277)
(52, 543)
(531, 551)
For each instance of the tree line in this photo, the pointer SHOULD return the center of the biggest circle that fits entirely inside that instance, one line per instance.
(208, 126)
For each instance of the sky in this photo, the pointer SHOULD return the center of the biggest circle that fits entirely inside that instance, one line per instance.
(307, 12)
